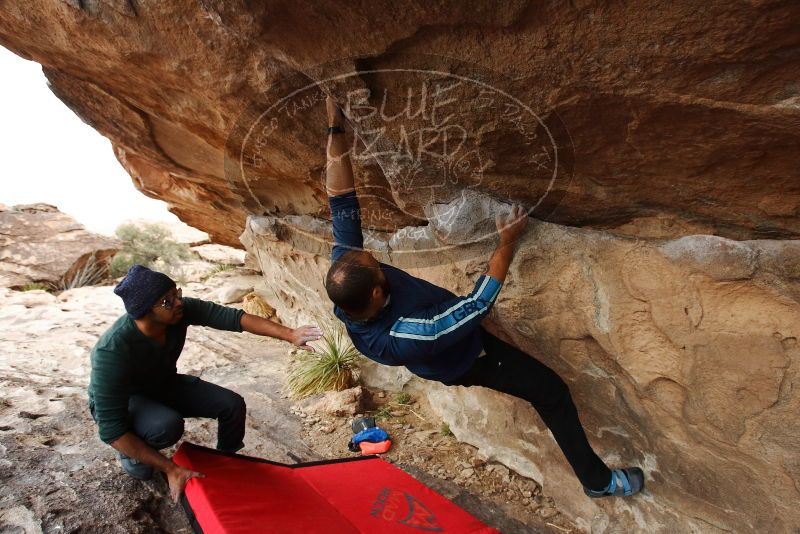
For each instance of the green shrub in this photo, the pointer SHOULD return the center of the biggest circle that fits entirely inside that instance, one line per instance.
(144, 244)
(332, 368)
(383, 412)
(445, 430)
(403, 398)
(34, 286)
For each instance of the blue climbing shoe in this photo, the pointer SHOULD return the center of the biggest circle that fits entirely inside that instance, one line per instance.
(624, 483)
(135, 468)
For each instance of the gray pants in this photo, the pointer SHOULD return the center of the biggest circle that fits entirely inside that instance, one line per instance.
(158, 420)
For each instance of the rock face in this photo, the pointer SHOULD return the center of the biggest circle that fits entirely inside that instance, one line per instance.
(220, 254)
(38, 243)
(682, 118)
(655, 143)
(681, 354)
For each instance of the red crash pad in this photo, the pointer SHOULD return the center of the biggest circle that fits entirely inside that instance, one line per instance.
(240, 494)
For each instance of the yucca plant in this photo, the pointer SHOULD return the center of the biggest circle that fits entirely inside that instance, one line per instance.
(90, 273)
(333, 367)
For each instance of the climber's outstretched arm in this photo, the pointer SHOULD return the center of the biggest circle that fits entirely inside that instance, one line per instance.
(339, 171)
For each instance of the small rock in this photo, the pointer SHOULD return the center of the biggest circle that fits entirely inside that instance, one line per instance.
(527, 494)
(425, 454)
(326, 429)
(231, 294)
(466, 473)
(424, 435)
(252, 303)
(547, 512)
(501, 470)
(382, 394)
(477, 462)
(335, 403)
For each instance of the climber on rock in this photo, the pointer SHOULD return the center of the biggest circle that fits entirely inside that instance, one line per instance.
(136, 395)
(394, 318)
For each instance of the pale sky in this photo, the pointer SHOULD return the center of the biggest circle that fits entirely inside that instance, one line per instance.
(47, 154)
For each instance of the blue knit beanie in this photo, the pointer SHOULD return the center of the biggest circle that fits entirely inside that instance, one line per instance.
(141, 288)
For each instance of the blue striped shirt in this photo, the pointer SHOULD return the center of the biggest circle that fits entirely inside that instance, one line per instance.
(426, 328)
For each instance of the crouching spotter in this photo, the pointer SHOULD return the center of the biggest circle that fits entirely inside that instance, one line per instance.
(136, 395)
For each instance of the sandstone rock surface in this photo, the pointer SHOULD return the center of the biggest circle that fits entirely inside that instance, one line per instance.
(681, 354)
(679, 118)
(220, 254)
(38, 243)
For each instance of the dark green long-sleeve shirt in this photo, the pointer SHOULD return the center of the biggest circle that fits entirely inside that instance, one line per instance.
(127, 362)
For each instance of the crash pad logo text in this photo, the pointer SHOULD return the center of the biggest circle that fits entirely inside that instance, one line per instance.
(400, 507)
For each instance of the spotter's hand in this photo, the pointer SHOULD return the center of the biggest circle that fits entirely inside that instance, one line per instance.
(301, 336)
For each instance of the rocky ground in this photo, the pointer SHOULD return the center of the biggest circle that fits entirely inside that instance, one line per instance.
(56, 476)
(424, 447)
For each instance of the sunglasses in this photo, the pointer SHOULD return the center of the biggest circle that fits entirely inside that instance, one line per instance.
(168, 302)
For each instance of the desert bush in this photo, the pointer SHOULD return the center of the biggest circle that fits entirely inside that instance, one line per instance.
(33, 286)
(333, 367)
(403, 398)
(144, 244)
(90, 273)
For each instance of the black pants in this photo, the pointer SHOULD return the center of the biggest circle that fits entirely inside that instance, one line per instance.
(158, 420)
(509, 370)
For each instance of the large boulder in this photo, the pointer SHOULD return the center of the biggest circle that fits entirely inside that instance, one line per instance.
(680, 353)
(39, 244)
(663, 119)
